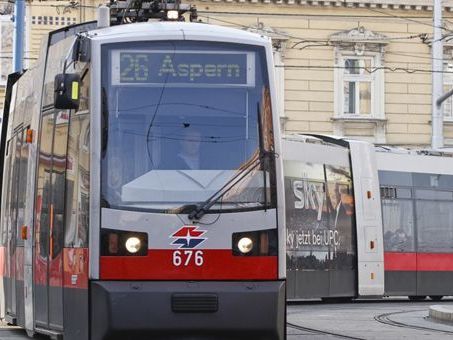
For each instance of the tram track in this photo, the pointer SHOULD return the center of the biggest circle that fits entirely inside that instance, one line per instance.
(385, 319)
(321, 332)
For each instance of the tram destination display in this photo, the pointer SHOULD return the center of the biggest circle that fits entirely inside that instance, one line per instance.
(184, 68)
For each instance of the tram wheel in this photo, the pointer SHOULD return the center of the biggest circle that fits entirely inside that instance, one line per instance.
(436, 297)
(417, 297)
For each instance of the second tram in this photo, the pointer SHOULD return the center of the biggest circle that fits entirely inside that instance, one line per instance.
(367, 221)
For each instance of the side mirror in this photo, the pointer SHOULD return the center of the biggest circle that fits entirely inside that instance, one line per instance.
(67, 91)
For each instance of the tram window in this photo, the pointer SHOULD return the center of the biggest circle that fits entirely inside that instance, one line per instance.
(436, 181)
(434, 226)
(434, 194)
(398, 225)
(77, 173)
(58, 179)
(56, 55)
(42, 220)
(148, 122)
(13, 207)
(22, 186)
(403, 193)
(58, 186)
(390, 178)
(6, 200)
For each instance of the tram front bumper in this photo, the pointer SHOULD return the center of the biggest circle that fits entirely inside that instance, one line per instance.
(187, 310)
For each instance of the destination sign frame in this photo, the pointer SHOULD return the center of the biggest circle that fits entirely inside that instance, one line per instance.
(209, 69)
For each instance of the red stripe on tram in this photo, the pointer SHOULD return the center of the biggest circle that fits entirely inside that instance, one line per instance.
(418, 261)
(216, 265)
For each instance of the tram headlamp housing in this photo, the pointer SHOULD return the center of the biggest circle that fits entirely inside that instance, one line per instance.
(255, 243)
(123, 243)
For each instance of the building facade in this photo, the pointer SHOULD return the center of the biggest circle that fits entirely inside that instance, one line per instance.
(353, 68)
(41, 17)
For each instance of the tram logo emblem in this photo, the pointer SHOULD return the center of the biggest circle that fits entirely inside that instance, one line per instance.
(188, 237)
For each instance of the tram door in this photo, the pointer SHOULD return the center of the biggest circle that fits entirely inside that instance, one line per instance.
(49, 226)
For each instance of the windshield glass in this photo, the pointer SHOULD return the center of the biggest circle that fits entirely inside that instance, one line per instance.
(180, 119)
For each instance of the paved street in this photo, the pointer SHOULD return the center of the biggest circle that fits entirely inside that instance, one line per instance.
(396, 319)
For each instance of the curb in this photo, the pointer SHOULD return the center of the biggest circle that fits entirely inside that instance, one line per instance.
(441, 313)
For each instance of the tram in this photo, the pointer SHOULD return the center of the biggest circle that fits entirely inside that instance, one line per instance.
(141, 192)
(366, 221)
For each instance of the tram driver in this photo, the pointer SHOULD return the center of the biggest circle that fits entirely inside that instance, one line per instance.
(188, 158)
(187, 155)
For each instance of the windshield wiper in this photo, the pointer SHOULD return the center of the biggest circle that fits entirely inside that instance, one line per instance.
(203, 207)
(257, 160)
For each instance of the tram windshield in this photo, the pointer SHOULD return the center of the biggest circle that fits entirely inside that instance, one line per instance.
(180, 119)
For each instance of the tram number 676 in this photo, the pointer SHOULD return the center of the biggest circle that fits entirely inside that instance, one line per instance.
(187, 257)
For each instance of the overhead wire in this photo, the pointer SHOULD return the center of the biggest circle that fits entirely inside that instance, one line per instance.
(367, 69)
(303, 39)
(328, 43)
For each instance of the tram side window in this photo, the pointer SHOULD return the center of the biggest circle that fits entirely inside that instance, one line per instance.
(58, 180)
(5, 201)
(56, 56)
(434, 226)
(62, 183)
(44, 205)
(22, 186)
(43, 197)
(78, 172)
(6, 195)
(15, 167)
(398, 224)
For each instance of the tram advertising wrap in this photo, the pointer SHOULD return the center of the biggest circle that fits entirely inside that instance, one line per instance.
(320, 227)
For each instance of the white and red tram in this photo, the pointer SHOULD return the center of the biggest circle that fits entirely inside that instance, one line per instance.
(140, 186)
(367, 221)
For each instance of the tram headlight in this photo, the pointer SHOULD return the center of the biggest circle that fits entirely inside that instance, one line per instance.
(255, 243)
(133, 244)
(245, 245)
(123, 243)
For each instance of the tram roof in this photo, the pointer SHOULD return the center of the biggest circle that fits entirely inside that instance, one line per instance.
(178, 30)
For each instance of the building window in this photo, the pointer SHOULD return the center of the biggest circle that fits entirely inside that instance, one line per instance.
(359, 86)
